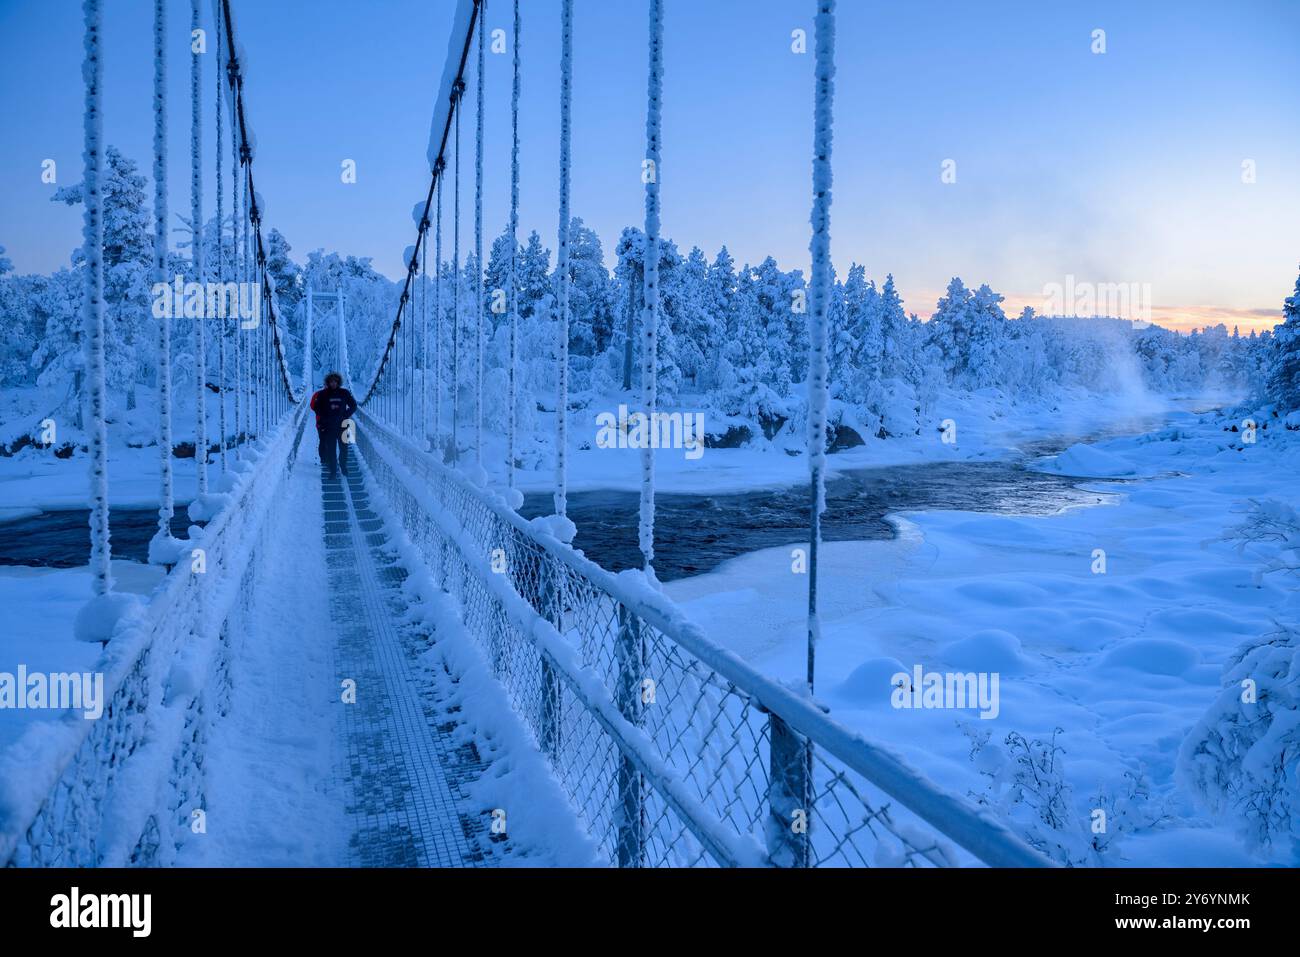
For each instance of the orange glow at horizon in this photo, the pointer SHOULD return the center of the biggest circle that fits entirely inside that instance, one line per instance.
(1179, 318)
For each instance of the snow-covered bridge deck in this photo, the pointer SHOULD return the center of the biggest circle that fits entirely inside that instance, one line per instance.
(404, 774)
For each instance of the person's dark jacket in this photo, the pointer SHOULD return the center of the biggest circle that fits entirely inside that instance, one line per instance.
(332, 407)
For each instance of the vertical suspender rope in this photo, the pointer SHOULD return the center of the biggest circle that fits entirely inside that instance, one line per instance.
(221, 257)
(455, 290)
(820, 295)
(92, 314)
(650, 310)
(244, 224)
(166, 503)
(562, 264)
(238, 268)
(437, 318)
(424, 334)
(196, 251)
(511, 277)
(478, 255)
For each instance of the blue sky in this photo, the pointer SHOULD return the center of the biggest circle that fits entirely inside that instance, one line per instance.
(1120, 167)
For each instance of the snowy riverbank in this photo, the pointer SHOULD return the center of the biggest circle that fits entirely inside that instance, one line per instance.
(1124, 661)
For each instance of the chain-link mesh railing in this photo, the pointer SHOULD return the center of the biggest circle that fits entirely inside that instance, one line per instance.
(122, 789)
(672, 751)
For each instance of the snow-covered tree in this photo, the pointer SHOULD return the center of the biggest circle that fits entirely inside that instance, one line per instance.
(1283, 384)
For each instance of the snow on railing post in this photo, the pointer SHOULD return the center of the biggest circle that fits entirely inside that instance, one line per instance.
(630, 810)
(789, 817)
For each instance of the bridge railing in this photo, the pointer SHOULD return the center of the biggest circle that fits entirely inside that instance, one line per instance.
(123, 789)
(672, 750)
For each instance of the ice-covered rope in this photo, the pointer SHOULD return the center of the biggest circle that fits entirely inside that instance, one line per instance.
(166, 502)
(196, 252)
(424, 333)
(437, 326)
(221, 260)
(237, 268)
(562, 264)
(92, 314)
(512, 283)
(455, 290)
(650, 307)
(478, 257)
(820, 247)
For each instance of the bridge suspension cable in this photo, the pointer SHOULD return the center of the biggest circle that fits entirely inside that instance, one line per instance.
(254, 211)
(166, 505)
(650, 308)
(562, 261)
(446, 116)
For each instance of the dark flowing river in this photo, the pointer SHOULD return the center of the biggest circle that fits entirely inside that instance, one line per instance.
(694, 533)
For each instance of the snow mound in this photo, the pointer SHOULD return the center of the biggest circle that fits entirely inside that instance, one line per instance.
(989, 650)
(1156, 656)
(205, 507)
(166, 550)
(1091, 462)
(871, 683)
(99, 617)
(559, 527)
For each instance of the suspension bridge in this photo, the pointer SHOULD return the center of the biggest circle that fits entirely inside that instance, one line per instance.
(660, 747)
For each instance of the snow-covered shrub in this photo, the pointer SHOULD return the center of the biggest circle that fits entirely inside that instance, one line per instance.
(1242, 759)
(1027, 787)
(1271, 527)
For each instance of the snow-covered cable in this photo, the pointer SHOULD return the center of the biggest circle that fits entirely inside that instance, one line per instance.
(221, 259)
(437, 324)
(237, 269)
(820, 247)
(478, 257)
(512, 283)
(650, 308)
(455, 290)
(92, 314)
(166, 503)
(196, 252)
(424, 334)
(562, 264)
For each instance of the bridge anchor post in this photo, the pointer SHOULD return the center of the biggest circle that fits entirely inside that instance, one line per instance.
(629, 814)
(789, 795)
(550, 607)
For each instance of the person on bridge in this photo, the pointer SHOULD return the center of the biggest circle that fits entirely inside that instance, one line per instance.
(333, 406)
